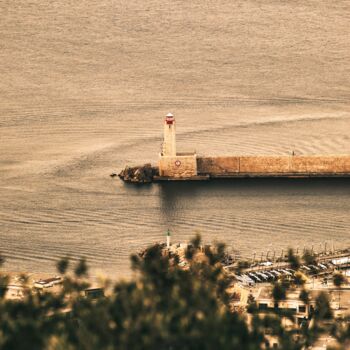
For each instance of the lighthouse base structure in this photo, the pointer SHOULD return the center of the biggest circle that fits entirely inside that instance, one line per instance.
(183, 165)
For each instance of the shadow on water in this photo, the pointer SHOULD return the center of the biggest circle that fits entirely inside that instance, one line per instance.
(178, 196)
(189, 189)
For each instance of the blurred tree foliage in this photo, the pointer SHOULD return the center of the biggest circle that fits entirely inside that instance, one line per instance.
(309, 257)
(293, 259)
(165, 306)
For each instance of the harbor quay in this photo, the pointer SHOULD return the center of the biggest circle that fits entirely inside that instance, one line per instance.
(245, 271)
(251, 284)
(185, 166)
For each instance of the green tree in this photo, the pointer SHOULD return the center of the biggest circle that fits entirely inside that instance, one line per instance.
(338, 281)
(279, 293)
(293, 259)
(309, 257)
(304, 296)
(252, 306)
(299, 278)
(323, 309)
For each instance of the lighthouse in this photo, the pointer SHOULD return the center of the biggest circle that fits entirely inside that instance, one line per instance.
(173, 164)
(169, 143)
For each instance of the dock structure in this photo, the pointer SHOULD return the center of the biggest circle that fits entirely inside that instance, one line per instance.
(177, 166)
(275, 166)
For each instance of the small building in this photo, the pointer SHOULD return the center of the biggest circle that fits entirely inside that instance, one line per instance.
(291, 304)
(94, 293)
(48, 282)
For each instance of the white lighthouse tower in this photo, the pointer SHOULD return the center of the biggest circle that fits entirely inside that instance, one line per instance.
(169, 143)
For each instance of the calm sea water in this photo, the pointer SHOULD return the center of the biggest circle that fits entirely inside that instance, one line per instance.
(83, 91)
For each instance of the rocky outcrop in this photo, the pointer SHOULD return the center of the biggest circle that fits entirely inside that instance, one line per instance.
(139, 174)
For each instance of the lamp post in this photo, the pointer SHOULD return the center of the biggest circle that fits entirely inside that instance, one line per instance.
(168, 239)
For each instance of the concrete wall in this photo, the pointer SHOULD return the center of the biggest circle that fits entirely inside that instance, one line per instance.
(273, 164)
(327, 164)
(217, 165)
(179, 166)
(264, 164)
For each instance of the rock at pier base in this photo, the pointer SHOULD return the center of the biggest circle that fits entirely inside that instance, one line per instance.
(139, 174)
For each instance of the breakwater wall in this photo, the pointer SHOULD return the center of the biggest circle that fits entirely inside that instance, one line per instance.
(173, 165)
(193, 167)
(270, 165)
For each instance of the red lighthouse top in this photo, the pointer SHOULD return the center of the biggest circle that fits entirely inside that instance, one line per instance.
(169, 119)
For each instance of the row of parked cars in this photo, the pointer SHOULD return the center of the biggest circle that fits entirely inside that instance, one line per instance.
(250, 278)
